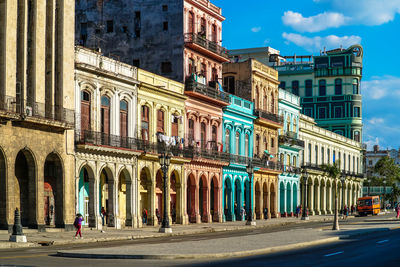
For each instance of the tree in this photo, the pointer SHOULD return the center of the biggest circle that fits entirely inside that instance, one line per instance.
(333, 171)
(388, 171)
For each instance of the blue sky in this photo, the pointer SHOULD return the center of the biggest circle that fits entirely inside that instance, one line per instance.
(306, 26)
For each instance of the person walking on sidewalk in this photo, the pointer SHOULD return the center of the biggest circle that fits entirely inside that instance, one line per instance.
(103, 215)
(398, 210)
(144, 216)
(78, 225)
(353, 209)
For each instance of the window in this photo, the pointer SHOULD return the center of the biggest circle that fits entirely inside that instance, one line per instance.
(191, 130)
(166, 67)
(165, 26)
(214, 33)
(164, 8)
(191, 23)
(308, 112)
(295, 125)
(316, 155)
(282, 85)
(338, 86)
(265, 143)
(338, 112)
(237, 141)
(309, 153)
(265, 102)
(160, 121)
(309, 88)
(85, 111)
(136, 23)
(322, 88)
(272, 103)
(203, 70)
(334, 156)
(227, 140)
(272, 143)
(175, 125)
(354, 164)
(256, 99)
(257, 145)
(329, 156)
(105, 114)
(288, 123)
(214, 136)
(356, 90)
(357, 136)
(294, 161)
(203, 30)
(322, 155)
(123, 118)
(110, 26)
(288, 160)
(246, 145)
(322, 113)
(136, 63)
(214, 75)
(145, 122)
(295, 87)
(229, 84)
(349, 162)
(356, 112)
(203, 136)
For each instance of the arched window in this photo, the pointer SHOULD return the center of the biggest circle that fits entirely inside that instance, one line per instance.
(281, 159)
(203, 135)
(145, 122)
(85, 111)
(237, 143)
(295, 125)
(203, 29)
(294, 161)
(246, 145)
(214, 136)
(288, 163)
(191, 130)
(191, 23)
(288, 124)
(123, 118)
(322, 155)
(338, 86)
(265, 106)
(105, 114)
(322, 88)
(214, 33)
(328, 156)
(316, 155)
(265, 143)
(272, 103)
(309, 153)
(227, 140)
(160, 121)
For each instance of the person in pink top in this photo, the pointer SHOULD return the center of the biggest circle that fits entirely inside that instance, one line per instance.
(78, 225)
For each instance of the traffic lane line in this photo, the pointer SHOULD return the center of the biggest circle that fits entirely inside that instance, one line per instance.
(333, 254)
(382, 241)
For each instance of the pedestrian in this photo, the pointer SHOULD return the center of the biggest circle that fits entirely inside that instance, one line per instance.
(78, 225)
(266, 213)
(243, 212)
(235, 208)
(398, 210)
(173, 214)
(158, 216)
(297, 211)
(103, 215)
(353, 209)
(144, 216)
(345, 212)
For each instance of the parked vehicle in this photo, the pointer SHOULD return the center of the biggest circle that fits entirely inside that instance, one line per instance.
(368, 205)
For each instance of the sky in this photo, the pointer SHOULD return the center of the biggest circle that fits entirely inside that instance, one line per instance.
(305, 27)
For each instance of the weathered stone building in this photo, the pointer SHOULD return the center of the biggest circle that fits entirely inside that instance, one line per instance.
(36, 112)
(106, 148)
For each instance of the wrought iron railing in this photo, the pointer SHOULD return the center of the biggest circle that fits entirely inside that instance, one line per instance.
(207, 44)
(268, 115)
(26, 108)
(267, 164)
(292, 141)
(320, 167)
(193, 86)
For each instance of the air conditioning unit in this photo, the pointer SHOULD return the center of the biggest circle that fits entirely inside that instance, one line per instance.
(28, 111)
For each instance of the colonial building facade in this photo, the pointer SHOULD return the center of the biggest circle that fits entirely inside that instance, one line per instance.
(36, 113)
(289, 147)
(325, 147)
(106, 151)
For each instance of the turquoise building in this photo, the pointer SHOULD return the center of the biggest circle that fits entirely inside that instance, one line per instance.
(237, 138)
(289, 148)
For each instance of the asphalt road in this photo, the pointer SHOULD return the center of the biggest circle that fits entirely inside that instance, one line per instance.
(44, 256)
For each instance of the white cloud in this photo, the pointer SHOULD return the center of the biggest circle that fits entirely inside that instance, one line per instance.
(344, 12)
(316, 43)
(314, 23)
(375, 121)
(371, 141)
(380, 87)
(256, 29)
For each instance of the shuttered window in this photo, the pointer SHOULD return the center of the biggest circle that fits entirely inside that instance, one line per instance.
(105, 114)
(85, 111)
(123, 118)
(160, 121)
(145, 122)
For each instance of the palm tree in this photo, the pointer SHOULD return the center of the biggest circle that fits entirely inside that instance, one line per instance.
(333, 171)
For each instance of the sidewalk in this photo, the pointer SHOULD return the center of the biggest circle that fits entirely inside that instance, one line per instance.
(58, 237)
(249, 245)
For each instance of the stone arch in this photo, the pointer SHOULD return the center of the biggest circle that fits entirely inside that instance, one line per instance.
(214, 199)
(3, 190)
(145, 195)
(25, 191)
(265, 203)
(191, 197)
(106, 194)
(86, 185)
(272, 200)
(322, 197)
(228, 199)
(175, 193)
(282, 198)
(53, 190)
(203, 199)
(124, 197)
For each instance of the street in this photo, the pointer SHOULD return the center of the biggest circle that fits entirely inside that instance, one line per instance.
(363, 249)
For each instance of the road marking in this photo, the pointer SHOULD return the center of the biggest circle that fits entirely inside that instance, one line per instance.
(333, 254)
(382, 241)
(25, 256)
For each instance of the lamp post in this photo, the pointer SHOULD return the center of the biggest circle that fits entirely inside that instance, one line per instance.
(250, 171)
(369, 184)
(384, 192)
(305, 178)
(342, 179)
(165, 160)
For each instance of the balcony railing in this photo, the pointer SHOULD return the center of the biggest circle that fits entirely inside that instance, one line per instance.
(291, 169)
(268, 164)
(268, 115)
(209, 45)
(193, 86)
(26, 108)
(290, 140)
(320, 168)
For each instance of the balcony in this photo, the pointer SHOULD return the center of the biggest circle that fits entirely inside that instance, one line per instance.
(269, 116)
(319, 167)
(21, 109)
(267, 164)
(291, 140)
(198, 40)
(291, 170)
(210, 92)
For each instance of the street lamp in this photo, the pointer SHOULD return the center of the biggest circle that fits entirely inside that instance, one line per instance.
(305, 178)
(342, 179)
(250, 171)
(165, 160)
(369, 184)
(384, 192)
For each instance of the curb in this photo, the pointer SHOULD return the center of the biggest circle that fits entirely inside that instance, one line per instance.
(245, 253)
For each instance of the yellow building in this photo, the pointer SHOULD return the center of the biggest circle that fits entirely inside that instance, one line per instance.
(161, 116)
(257, 82)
